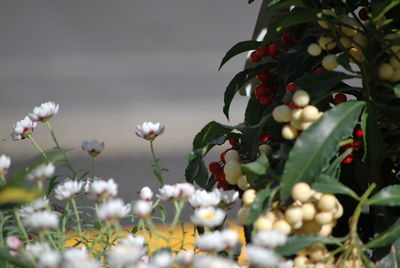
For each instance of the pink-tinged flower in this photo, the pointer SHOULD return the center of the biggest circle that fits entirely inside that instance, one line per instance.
(126, 253)
(230, 238)
(186, 190)
(208, 216)
(162, 259)
(78, 257)
(23, 128)
(184, 258)
(5, 163)
(35, 206)
(146, 193)
(14, 243)
(168, 192)
(68, 189)
(44, 112)
(202, 198)
(93, 147)
(149, 131)
(41, 172)
(113, 210)
(218, 240)
(101, 189)
(142, 208)
(41, 220)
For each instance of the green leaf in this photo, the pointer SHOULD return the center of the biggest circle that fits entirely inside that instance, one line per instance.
(259, 205)
(388, 196)
(208, 134)
(254, 111)
(254, 169)
(318, 144)
(251, 135)
(344, 60)
(239, 48)
(299, 242)
(396, 90)
(387, 237)
(5, 255)
(239, 81)
(285, 3)
(326, 184)
(296, 17)
(392, 260)
(380, 9)
(196, 170)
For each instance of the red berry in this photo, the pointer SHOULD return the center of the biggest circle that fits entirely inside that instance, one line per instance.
(293, 106)
(266, 100)
(233, 142)
(287, 39)
(356, 145)
(222, 155)
(347, 160)
(224, 186)
(255, 57)
(214, 167)
(363, 14)
(265, 138)
(262, 51)
(264, 77)
(320, 70)
(339, 98)
(220, 176)
(291, 86)
(273, 50)
(358, 133)
(260, 91)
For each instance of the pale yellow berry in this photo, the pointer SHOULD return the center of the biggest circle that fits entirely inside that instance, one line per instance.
(242, 183)
(249, 196)
(296, 124)
(311, 227)
(326, 42)
(297, 114)
(281, 113)
(283, 226)
(271, 216)
(232, 155)
(385, 71)
(301, 191)
(301, 262)
(314, 50)
(297, 225)
(309, 211)
(317, 195)
(323, 217)
(301, 98)
(305, 125)
(396, 76)
(266, 149)
(360, 40)
(329, 62)
(327, 202)
(289, 132)
(263, 224)
(394, 62)
(339, 211)
(357, 54)
(243, 215)
(310, 113)
(293, 214)
(352, 26)
(317, 252)
(233, 171)
(345, 42)
(326, 12)
(325, 230)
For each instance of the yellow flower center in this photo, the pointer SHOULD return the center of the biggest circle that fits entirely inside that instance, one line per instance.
(208, 215)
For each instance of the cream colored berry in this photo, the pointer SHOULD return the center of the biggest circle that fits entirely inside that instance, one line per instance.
(326, 12)
(317, 253)
(243, 183)
(324, 217)
(289, 132)
(297, 225)
(296, 124)
(249, 196)
(310, 113)
(317, 195)
(263, 224)
(293, 214)
(309, 211)
(301, 262)
(345, 42)
(360, 40)
(233, 171)
(243, 215)
(385, 71)
(301, 98)
(297, 114)
(394, 62)
(352, 26)
(325, 230)
(326, 42)
(311, 227)
(281, 113)
(232, 155)
(327, 202)
(301, 192)
(357, 54)
(329, 62)
(266, 149)
(271, 216)
(283, 226)
(305, 125)
(339, 211)
(314, 50)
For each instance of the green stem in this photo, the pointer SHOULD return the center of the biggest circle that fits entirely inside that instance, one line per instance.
(2, 180)
(157, 168)
(358, 210)
(93, 166)
(78, 221)
(36, 145)
(178, 211)
(21, 226)
(50, 238)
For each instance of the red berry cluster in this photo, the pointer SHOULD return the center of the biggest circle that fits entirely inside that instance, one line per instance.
(358, 135)
(261, 52)
(266, 89)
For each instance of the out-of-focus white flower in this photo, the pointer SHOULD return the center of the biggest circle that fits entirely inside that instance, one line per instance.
(186, 190)
(93, 147)
(41, 172)
(133, 241)
(168, 192)
(162, 259)
(210, 242)
(146, 193)
(23, 128)
(5, 163)
(262, 257)
(142, 265)
(41, 220)
(68, 189)
(209, 261)
(228, 197)
(202, 198)
(286, 264)
(230, 238)
(101, 189)
(149, 131)
(37, 205)
(142, 208)
(14, 243)
(78, 257)
(269, 239)
(113, 210)
(128, 252)
(208, 216)
(49, 259)
(184, 258)
(36, 249)
(44, 112)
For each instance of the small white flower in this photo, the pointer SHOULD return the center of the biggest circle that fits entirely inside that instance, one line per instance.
(68, 189)
(262, 257)
(269, 239)
(184, 258)
(41, 220)
(186, 190)
(202, 198)
(228, 197)
(286, 264)
(37, 205)
(113, 210)
(142, 208)
(78, 257)
(168, 192)
(208, 216)
(41, 172)
(149, 131)
(133, 241)
(93, 147)
(210, 242)
(44, 112)
(49, 259)
(128, 252)
(209, 261)
(14, 243)
(36, 249)
(101, 190)
(23, 128)
(230, 238)
(5, 163)
(162, 259)
(146, 193)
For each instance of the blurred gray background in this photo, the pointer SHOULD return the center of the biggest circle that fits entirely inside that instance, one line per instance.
(114, 64)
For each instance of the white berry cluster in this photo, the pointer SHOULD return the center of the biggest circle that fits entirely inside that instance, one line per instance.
(299, 118)
(390, 70)
(233, 170)
(315, 256)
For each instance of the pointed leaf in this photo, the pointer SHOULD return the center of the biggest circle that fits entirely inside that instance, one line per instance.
(285, 3)
(387, 237)
(296, 17)
(239, 48)
(296, 243)
(318, 144)
(326, 184)
(209, 133)
(259, 205)
(388, 196)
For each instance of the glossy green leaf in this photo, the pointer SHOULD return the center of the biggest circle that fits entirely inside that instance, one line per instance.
(238, 49)
(254, 111)
(208, 134)
(259, 205)
(296, 17)
(387, 237)
(258, 167)
(251, 134)
(344, 60)
(392, 260)
(318, 144)
(396, 90)
(285, 3)
(196, 170)
(296, 243)
(327, 184)
(388, 196)
(380, 9)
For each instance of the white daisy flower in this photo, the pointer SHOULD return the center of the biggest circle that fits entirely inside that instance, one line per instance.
(149, 131)
(101, 189)
(93, 147)
(142, 208)
(78, 257)
(127, 252)
(168, 192)
(162, 259)
(41, 220)
(23, 128)
(113, 210)
(208, 216)
(44, 112)
(41, 172)
(262, 257)
(146, 193)
(202, 198)
(35, 206)
(228, 197)
(269, 239)
(5, 163)
(68, 189)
